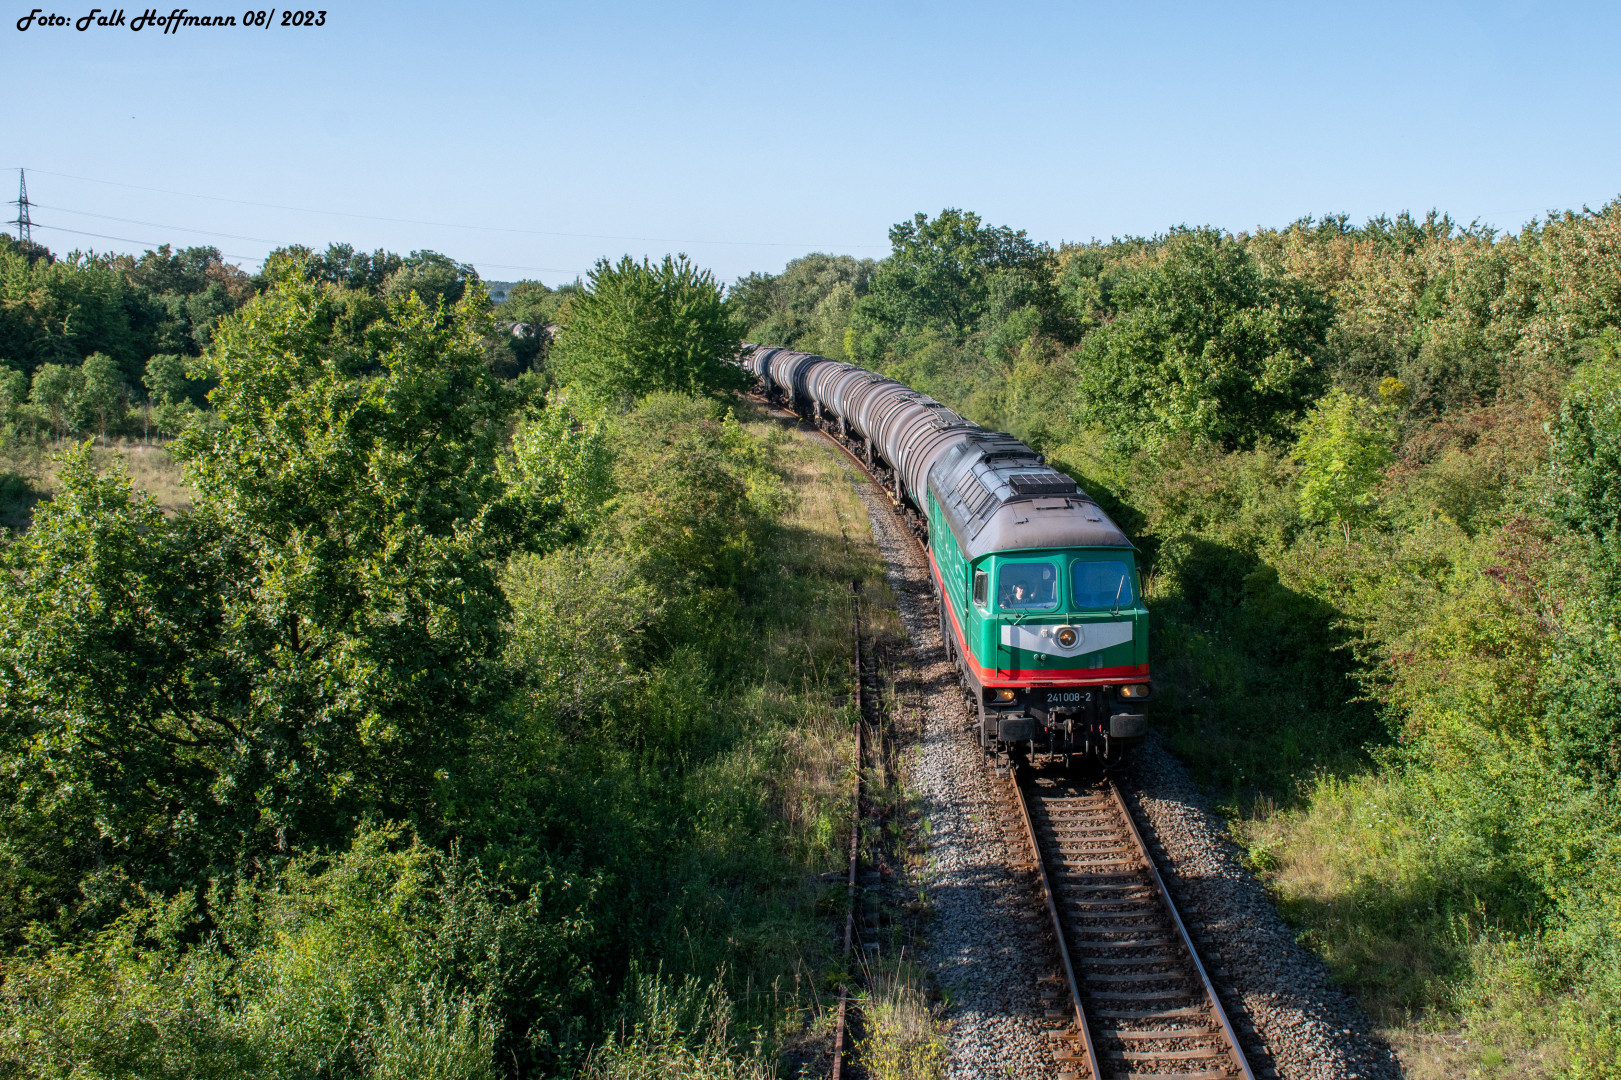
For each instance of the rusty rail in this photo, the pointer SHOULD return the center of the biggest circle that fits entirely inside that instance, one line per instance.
(841, 1032)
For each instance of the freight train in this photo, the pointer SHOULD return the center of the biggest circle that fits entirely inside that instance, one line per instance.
(1041, 607)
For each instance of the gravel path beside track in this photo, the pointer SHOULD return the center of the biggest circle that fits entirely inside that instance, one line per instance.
(990, 940)
(988, 946)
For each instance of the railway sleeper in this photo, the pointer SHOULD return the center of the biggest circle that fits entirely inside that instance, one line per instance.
(1184, 1053)
(1144, 995)
(1158, 939)
(1167, 1033)
(1087, 845)
(1140, 1016)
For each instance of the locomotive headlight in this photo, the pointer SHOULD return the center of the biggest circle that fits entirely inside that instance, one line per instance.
(1068, 636)
(1005, 695)
(1136, 690)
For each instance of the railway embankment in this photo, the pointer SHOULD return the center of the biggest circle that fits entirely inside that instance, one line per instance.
(991, 951)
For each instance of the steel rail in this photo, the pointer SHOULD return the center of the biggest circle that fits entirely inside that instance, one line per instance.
(840, 1032)
(1226, 1025)
(1092, 1059)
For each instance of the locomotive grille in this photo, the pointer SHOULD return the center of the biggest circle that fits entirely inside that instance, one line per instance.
(1042, 484)
(976, 499)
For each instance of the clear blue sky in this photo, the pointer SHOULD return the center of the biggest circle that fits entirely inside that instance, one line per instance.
(747, 134)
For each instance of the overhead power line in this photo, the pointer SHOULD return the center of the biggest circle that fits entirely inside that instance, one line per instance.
(255, 258)
(454, 224)
(131, 240)
(155, 225)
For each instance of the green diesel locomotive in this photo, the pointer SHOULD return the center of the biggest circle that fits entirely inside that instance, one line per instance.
(1040, 603)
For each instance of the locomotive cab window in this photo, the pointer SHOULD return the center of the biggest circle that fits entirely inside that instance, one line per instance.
(1103, 585)
(1027, 586)
(982, 587)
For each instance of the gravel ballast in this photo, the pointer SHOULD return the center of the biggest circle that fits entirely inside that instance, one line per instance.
(987, 949)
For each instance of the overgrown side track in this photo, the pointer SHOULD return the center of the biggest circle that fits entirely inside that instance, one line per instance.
(1142, 1005)
(841, 1032)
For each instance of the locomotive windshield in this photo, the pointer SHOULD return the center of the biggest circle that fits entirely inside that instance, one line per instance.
(1102, 585)
(1027, 586)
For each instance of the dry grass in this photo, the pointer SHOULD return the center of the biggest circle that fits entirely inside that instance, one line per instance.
(153, 470)
(149, 465)
(900, 1039)
(1352, 869)
(1465, 1052)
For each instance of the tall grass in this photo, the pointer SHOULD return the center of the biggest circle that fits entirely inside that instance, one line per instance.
(900, 1039)
(676, 1031)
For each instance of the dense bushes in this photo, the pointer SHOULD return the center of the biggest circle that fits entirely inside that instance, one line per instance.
(303, 649)
(441, 710)
(388, 959)
(1374, 472)
(1200, 343)
(637, 328)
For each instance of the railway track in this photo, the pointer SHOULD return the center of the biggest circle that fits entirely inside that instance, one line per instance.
(1141, 1005)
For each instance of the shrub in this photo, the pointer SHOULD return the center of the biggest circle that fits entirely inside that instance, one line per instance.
(638, 328)
(1585, 452)
(387, 960)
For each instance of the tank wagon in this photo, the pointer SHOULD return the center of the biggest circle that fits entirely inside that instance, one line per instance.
(1040, 605)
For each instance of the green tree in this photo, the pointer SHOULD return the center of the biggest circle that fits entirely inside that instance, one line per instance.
(433, 277)
(561, 469)
(312, 644)
(55, 392)
(169, 388)
(104, 399)
(1344, 447)
(535, 303)
(362, 480)
(948, 274)
(1202, 344)
(165, 379)
(168, 392)
(639, 328)
(13, 396)
(181, 295)
(116, 700)
(807, 306)
(341, 264)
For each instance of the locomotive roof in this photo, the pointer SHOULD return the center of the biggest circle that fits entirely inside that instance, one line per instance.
(999, 495)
